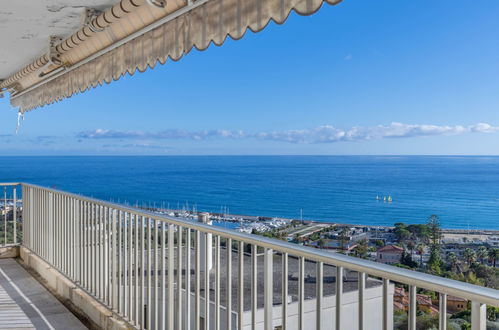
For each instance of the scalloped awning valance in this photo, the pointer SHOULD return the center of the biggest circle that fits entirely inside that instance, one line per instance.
(194, 27)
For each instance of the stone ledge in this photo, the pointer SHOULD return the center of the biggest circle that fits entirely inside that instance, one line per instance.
(9, 252)
(71, 295)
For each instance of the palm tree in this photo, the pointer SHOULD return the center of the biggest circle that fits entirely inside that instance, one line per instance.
(343, 237)
(420, 248)
(482, 253)
(469, 255)
(494, 255)
(452, 258)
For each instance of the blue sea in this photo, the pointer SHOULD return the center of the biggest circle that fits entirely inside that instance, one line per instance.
(462, 191)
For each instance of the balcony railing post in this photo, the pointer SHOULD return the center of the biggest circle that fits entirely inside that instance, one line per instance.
(180, 233)
(284, 291)
(268, 287)
(241, 285)
(301, 293)
(228, 276)
(319, 288)
(386, 301)
(362, 288)
(51, 239)
(339, 297)
(14, 213)
(5, 213)
(412, 307)
(171, 272)
(217, 283)
(478, 316)
(254, 285)
(442, 311)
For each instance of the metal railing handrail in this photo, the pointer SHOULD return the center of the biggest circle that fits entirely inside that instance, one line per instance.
(447, 286)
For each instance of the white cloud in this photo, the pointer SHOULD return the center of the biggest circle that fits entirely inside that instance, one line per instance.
(321, 134)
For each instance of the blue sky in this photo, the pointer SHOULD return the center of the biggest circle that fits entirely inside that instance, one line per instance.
(362, 77)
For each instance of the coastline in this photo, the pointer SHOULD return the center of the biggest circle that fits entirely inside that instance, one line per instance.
(241, 220)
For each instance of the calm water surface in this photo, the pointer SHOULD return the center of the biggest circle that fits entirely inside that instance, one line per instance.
(463, 191)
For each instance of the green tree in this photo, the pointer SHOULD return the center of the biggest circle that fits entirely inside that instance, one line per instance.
(470, 256)
(362, 249)
(419, 232)
(435, 233)
(482, 253)
(452, 259)
(494, 255)
(401, 232)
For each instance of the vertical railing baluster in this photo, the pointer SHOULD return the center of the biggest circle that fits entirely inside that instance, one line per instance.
(130, 267)
(412, 308)
(155, 272)
(52, 239)
(228, 283)
(106, 256)
(319, 294)
(197, 296)
(171, 274)
(442, 311)
(301, 293)
(386, 301)
(284, 290)
(131, 288)
(72, 234)
(142, 270)
(121, 304)
(5, 215)
(478, 316)
(362, 288)
(137, 238)
(268, 288)
(179, 276)
(241, 284)
(93, 242)
(98, 258)
(188, 279)
(126, 255)
(14, 211)
(339, 296)
(207, 263)
(164, 227)
(254, 285)
(87, 246)
(115, 259)
(217, 283)
(149, 269)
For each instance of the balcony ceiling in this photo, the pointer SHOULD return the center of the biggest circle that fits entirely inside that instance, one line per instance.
(25, 28)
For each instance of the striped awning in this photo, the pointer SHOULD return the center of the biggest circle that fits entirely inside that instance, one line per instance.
(134, 37)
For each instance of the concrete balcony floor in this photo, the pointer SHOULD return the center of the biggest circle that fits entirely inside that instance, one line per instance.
(26, 304)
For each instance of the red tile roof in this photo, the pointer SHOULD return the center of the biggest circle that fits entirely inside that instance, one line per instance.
(391, 248)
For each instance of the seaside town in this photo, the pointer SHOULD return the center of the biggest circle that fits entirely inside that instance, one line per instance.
(467, 255)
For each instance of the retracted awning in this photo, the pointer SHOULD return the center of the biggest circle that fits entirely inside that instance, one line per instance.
(137, 34)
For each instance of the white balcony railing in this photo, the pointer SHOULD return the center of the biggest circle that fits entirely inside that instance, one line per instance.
(159, 272)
